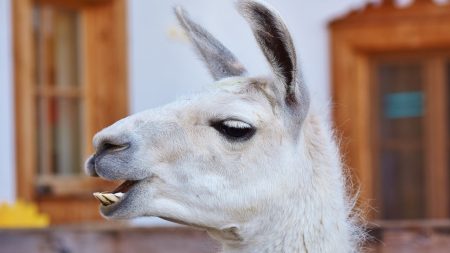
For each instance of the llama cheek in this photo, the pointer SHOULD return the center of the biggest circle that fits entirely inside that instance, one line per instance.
(169, 157)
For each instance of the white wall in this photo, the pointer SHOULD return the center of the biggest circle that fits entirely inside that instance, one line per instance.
(7, 168)
(163, 67)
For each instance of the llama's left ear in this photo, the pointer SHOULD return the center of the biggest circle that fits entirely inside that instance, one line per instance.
(219, 60)
(276, 43)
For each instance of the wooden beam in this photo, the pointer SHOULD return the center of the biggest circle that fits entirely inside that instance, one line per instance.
(25, 123)
(437, 137)
(72, 4)
(77, 185)
(105, 78)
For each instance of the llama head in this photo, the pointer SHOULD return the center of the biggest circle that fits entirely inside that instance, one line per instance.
(220, 160)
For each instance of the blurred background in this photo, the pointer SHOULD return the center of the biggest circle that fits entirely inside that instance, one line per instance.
(68, 68)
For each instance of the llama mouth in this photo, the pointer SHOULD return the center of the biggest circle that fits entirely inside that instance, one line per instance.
(116, 195)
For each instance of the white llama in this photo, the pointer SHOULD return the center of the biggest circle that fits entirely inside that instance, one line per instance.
(248, 162)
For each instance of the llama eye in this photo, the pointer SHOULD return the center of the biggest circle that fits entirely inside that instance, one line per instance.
(234, 130)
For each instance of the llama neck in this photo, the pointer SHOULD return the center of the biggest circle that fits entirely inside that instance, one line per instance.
(312, 219)
(312, 229)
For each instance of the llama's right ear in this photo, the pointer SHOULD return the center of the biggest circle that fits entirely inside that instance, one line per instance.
(219, 60)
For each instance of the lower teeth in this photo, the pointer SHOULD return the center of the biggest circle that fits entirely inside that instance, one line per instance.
(108, 198)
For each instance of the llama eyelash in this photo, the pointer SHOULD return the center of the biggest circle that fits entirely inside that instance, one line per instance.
(234, 130)
(236, 124)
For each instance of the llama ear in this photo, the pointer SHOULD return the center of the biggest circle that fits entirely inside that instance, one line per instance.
(219, 60)
(276, 43)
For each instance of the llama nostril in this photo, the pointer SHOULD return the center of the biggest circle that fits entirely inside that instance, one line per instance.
(112, 147)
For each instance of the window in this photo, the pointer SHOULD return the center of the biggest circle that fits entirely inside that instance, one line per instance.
(70, 82)
(58, 95)
(400, 132)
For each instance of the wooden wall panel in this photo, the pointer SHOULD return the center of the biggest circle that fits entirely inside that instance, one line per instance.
(101, 239)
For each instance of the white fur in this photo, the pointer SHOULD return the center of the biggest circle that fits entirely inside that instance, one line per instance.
(279, 194)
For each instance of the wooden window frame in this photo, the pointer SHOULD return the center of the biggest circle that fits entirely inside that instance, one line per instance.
(103, 28)
(355, 40)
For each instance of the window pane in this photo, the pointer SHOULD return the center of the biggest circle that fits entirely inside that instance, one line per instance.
(59, 131)
(59, 102)
(67, 133)
(44, 137)
(57, 46)
(66, 47)
(401, 146)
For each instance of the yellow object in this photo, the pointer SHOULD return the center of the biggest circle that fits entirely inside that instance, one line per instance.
(22, 215)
